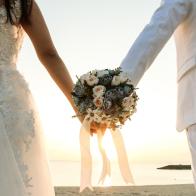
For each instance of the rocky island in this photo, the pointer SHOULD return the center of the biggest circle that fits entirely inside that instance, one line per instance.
(176, 167)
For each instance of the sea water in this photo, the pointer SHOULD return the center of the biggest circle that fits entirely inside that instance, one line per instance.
(67, 173)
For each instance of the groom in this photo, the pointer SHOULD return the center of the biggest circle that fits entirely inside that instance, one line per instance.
(176, 17)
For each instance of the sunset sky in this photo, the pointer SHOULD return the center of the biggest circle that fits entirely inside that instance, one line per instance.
(97, 34)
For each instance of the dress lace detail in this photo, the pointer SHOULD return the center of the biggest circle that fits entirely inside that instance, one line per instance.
(19, 120)
(3, 15)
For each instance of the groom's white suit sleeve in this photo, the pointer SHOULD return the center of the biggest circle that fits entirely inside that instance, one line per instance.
(154, 36)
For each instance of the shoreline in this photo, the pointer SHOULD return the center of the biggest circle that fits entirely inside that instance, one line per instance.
(150, 190)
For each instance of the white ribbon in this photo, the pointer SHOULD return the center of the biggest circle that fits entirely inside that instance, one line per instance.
(122, 156)
(106, 169)
(86, 158)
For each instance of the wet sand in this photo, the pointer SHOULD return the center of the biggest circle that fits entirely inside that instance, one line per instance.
(162, 190)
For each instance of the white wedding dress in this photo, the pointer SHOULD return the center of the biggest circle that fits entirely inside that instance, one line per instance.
(24, 167)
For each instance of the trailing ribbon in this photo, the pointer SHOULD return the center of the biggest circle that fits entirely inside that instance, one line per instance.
(86, 158)
(122, 156)
(106, 169)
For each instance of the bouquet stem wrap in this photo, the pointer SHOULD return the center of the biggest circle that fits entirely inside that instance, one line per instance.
(86, 158)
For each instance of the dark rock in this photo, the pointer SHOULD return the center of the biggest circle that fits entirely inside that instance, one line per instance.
(176, 167)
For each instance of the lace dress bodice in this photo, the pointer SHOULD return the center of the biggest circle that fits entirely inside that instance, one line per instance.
(11, 37)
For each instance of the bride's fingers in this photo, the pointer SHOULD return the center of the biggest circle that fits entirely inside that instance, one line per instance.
(81, 119)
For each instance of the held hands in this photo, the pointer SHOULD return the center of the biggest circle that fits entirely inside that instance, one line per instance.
(94, 127)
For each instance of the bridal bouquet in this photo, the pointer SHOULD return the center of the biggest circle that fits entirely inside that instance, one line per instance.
(106, 99)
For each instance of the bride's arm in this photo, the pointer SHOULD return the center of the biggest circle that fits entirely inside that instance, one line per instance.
(46, 52)
(154, 36)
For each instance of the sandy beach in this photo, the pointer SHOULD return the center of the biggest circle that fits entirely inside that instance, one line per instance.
(165, 190)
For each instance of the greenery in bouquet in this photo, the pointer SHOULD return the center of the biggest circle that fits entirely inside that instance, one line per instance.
(105, 97)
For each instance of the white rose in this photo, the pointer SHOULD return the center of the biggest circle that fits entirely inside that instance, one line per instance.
(102, 73)
(84, 77)
(116, 81)
(99, 90)
(127, 102)
(98, 101)
(129, 82)
(94, 72)
(123, 77)
(92, 80)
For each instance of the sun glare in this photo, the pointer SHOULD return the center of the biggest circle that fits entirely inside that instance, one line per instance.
(107, 182)
(109, 146)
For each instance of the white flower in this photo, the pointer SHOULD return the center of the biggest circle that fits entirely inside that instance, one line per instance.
(94, 72)
(125, 114)
(127, 102)
(102, 73)
(97, 119)
(124, 117)
(116, 81)
(134, 110)
(98, 101)
(99, 91)
(92, 80)
(129, 82)
(94, 115)
(123, 77)
(105, 118)
(84, 77)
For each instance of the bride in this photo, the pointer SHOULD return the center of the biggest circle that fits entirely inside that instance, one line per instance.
(23, 162)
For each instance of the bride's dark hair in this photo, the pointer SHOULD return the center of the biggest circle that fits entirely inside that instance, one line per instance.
(26, 6)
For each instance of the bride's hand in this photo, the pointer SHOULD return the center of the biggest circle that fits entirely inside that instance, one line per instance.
(81, 119)
(47, 53)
